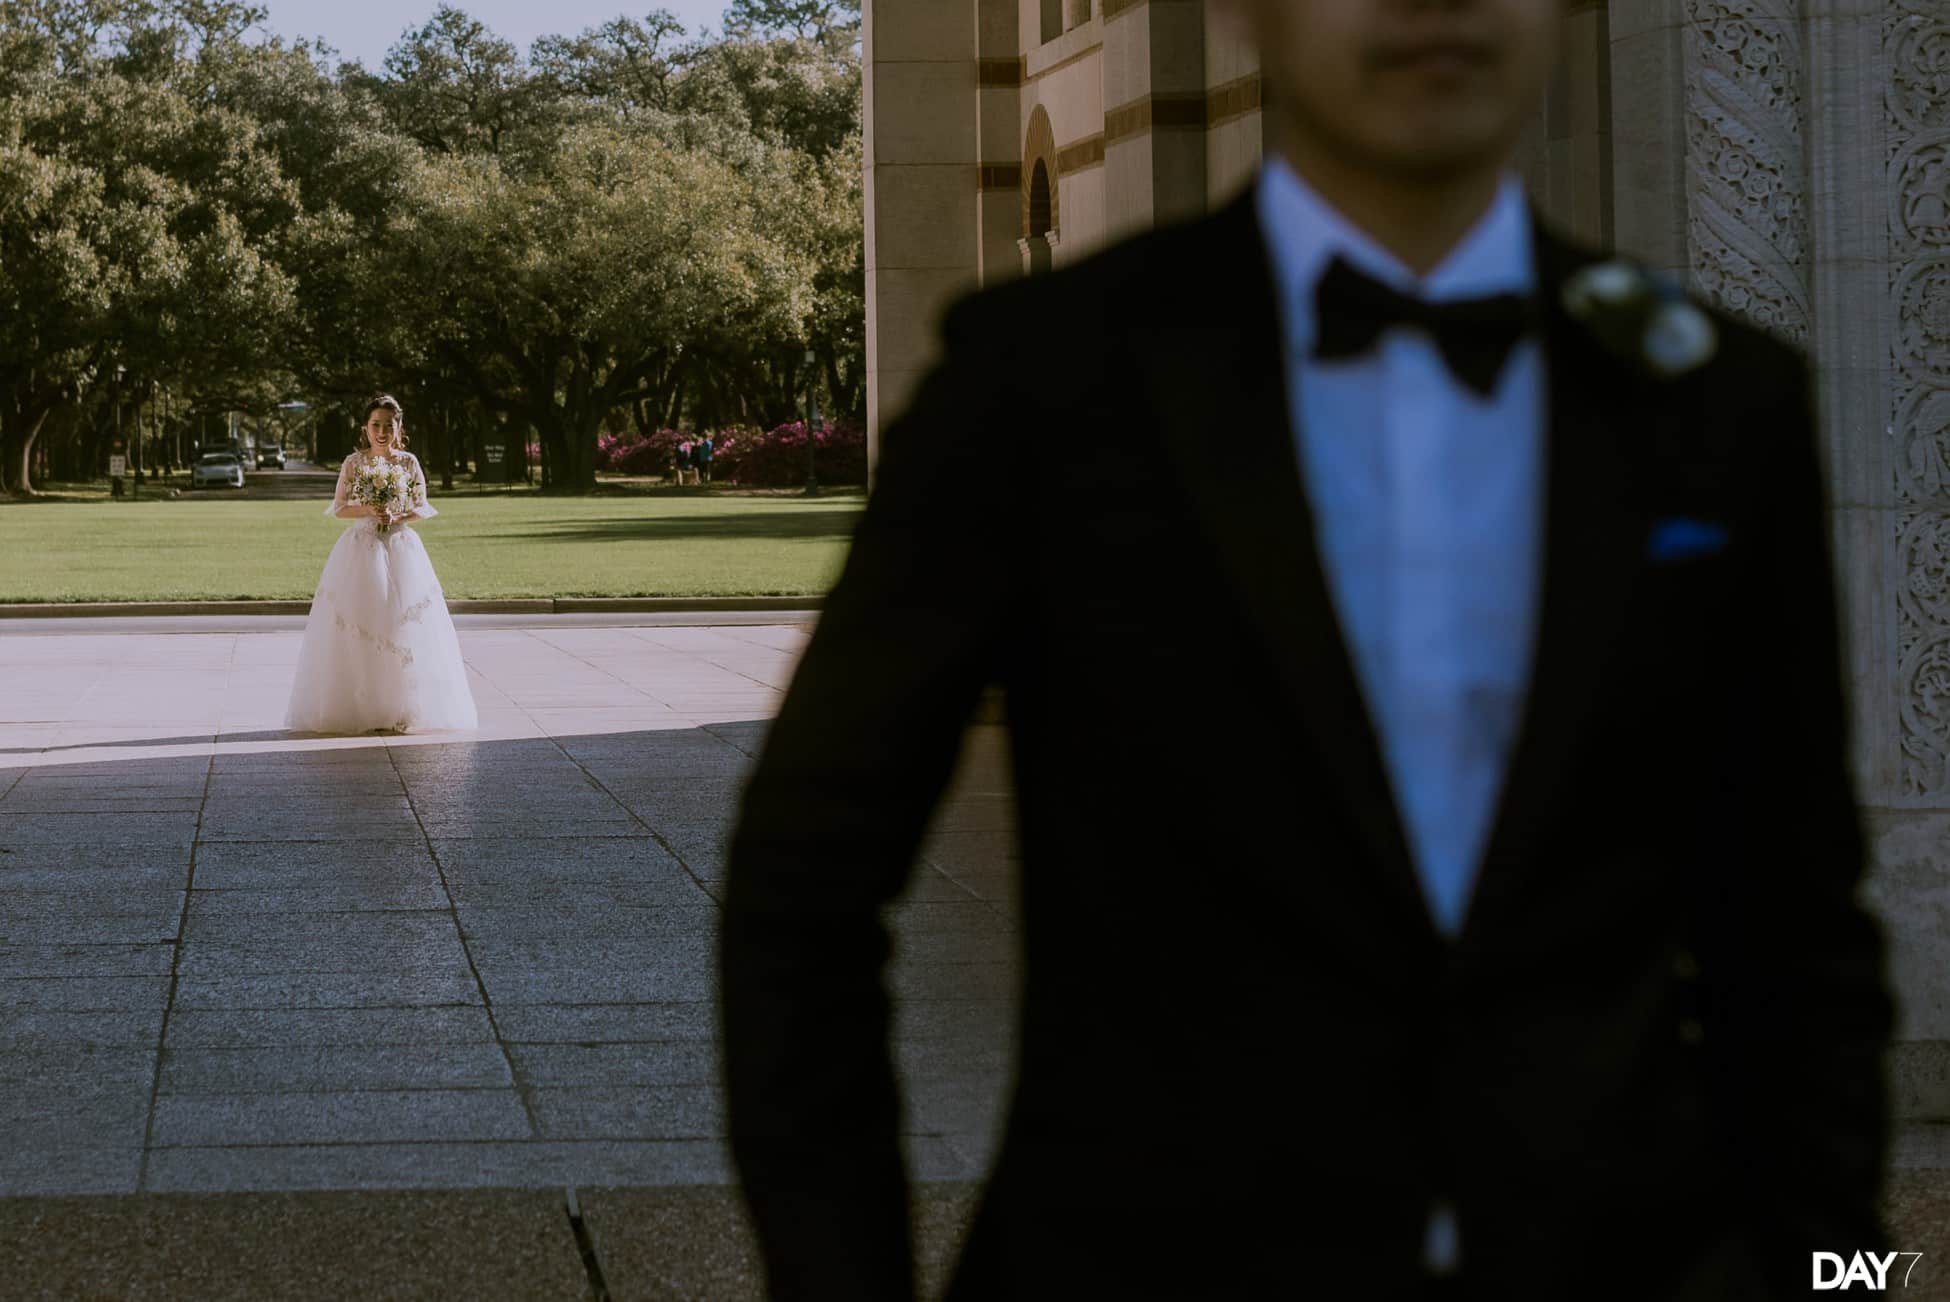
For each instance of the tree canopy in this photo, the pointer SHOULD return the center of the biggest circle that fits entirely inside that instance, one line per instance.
(626, 225)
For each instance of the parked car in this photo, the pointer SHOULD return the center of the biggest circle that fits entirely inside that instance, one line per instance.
(218, 470)
(272, 455)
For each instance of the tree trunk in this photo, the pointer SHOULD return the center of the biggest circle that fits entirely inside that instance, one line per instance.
(674, 412)
(569, 452)
(23, 465)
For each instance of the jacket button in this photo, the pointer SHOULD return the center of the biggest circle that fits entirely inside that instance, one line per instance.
(1685, 966)
(1691, 1032)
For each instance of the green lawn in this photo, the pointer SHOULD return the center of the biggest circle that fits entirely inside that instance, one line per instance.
(88, 548)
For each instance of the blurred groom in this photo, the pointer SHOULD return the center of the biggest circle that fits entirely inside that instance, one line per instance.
(1486, 926)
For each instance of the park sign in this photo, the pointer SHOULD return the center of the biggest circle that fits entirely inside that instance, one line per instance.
(496, 466)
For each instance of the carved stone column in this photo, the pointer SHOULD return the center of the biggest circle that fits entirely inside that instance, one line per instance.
(1792, 157)
(1917, 47)
(1746, 160)
(1910, 220)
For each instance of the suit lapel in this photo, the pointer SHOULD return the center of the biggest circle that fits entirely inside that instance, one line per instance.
(1224, 370)
(1594, 537)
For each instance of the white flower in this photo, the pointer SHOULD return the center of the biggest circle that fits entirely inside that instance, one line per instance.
(1609, 283)
(1642, 318)
(1680, 338)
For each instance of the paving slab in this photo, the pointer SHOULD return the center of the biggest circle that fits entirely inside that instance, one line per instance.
(675, 982)
(421, 988)
(475, 1064)
(464, 1165)
(663, 1062)
(382, 891)
(89, 960)
(82, 994)
(606, 1023)
(286, 1028)
(33, 925)
(403, 960)
(26, 1030)
(629, 1112)
(615, 918)
(73, 1168)
(341, 1117)
(376, 928)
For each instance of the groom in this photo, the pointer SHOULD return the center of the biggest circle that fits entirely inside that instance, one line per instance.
(1489, 928)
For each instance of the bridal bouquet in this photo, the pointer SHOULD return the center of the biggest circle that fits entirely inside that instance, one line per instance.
(384, 487)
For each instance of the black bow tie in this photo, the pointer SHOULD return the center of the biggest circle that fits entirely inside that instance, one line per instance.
(1353, 311)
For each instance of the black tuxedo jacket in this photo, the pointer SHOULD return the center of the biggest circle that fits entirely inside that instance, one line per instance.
(1248, 1061)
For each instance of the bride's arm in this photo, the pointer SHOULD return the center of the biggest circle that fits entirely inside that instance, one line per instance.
(420, 509)
(342, 508)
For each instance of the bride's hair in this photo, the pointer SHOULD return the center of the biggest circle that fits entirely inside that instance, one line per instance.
(384, 402)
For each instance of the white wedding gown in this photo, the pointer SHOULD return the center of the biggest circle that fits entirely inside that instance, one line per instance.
(380, 653)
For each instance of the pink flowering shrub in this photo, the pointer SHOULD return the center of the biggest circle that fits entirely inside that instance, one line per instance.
(630, 453)
(776, 458)
(749, 458)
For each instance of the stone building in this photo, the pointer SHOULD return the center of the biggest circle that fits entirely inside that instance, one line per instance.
(1790, 157)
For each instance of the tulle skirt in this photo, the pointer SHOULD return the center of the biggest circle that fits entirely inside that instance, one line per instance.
(380, 653)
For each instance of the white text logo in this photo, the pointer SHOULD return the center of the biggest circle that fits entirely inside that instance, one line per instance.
(1865, 1268)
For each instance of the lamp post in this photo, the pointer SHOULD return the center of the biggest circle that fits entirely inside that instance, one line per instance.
(812, 426)
(135, 450)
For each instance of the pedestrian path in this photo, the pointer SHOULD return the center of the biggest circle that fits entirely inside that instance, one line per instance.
(432, 1016)
(238, 960)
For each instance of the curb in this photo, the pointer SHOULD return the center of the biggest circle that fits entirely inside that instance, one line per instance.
(534, 606)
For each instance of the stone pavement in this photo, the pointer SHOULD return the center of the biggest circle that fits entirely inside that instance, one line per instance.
(236, 962)
(431, 1016)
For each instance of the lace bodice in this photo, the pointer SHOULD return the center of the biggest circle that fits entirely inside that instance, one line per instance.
(356, 461)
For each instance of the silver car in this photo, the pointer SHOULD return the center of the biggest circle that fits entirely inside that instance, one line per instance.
(217, 470)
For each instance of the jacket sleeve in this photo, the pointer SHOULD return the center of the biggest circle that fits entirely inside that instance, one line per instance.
(1801, 1015)
(828, 829)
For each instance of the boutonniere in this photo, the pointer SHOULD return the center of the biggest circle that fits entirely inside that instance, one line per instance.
(1642, 319)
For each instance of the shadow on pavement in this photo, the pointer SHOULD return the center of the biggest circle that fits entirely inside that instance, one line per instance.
(401, 993)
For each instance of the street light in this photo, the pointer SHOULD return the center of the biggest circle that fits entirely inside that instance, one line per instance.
(135, 460)
(170, 411)
(812, 425)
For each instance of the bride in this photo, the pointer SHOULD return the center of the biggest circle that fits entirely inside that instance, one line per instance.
(380, 653)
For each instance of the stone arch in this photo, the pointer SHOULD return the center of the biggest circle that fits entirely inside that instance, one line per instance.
(1039, 159)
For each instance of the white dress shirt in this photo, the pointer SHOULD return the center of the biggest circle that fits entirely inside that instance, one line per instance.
(1428, 512)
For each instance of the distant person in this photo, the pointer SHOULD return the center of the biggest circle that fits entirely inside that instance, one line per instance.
(684, 461)
(704, 451)
(380, 653)
(1487, 925)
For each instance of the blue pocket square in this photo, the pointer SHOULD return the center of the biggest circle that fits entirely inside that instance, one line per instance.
(1682, 538)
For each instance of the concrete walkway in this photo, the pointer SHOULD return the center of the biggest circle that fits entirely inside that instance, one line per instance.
(234, 961)
(431, 1017)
